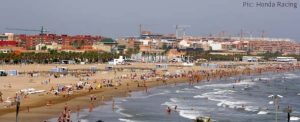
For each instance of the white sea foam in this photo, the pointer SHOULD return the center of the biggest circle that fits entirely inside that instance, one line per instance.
(224, 99)
(179, 91)
(200, 96)
(126, 120)
(271, 102)
(175, 100)
(225, 85)
(251, 108)
(296, 112)
(262, 112)
(84, 120)
(169, 104)
(151, 95)
(291, 76)
(189, 114)
(120, 109)
(231, 104)
(186, 90)
(293, 118)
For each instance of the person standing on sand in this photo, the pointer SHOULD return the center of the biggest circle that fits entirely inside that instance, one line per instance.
(102, 98)
(1, 100)
(91, 107)
(78, 110)
(113, 104)
(289, 111)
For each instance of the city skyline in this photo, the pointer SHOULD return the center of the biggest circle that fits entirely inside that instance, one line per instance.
(122, 18)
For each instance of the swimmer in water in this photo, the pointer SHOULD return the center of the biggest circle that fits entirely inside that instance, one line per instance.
(168, 110)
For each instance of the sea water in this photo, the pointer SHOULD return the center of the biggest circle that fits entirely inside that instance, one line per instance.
(221, 100)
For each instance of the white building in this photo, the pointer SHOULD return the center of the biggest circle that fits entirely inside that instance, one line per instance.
(6, 50)
(285, 59)
(120, 60)
(184, 44)
(10, 36)
(39, 46)
(251, 58)
(53, 46)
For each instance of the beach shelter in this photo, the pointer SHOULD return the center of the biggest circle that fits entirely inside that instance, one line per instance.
(93, 69)
(54, 70)
(161, 66)
(62, 70)
(12, 72)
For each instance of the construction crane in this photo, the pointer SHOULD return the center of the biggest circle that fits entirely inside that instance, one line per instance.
(181, 29)
(142, 27)
(263, 34)
(42, 30)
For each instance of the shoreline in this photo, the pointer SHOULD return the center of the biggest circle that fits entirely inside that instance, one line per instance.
(46, 112)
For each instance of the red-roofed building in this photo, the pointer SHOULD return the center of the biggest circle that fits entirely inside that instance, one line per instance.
(8, 43)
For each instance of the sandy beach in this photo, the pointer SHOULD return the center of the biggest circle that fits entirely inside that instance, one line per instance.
(126, 78)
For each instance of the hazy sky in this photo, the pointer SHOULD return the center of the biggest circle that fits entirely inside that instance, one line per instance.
(115, 18)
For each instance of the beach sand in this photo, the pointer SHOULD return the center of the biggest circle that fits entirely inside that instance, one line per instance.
(37, 103)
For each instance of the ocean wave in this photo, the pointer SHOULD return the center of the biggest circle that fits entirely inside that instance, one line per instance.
(84, 120)
(262, 112)
(271, 102)
(180, 91)
(296, 112)
(291, 76)
(189, 114)
(220, 93)
(251, 108)
(175, 100)
(225, 85)
(200, 96)
(185, 90)
(231, 104)
(179, 105)
(224, 99)
(126, 120)
(119, 111)
(294, 118)
(151, 95)
(169, 104)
